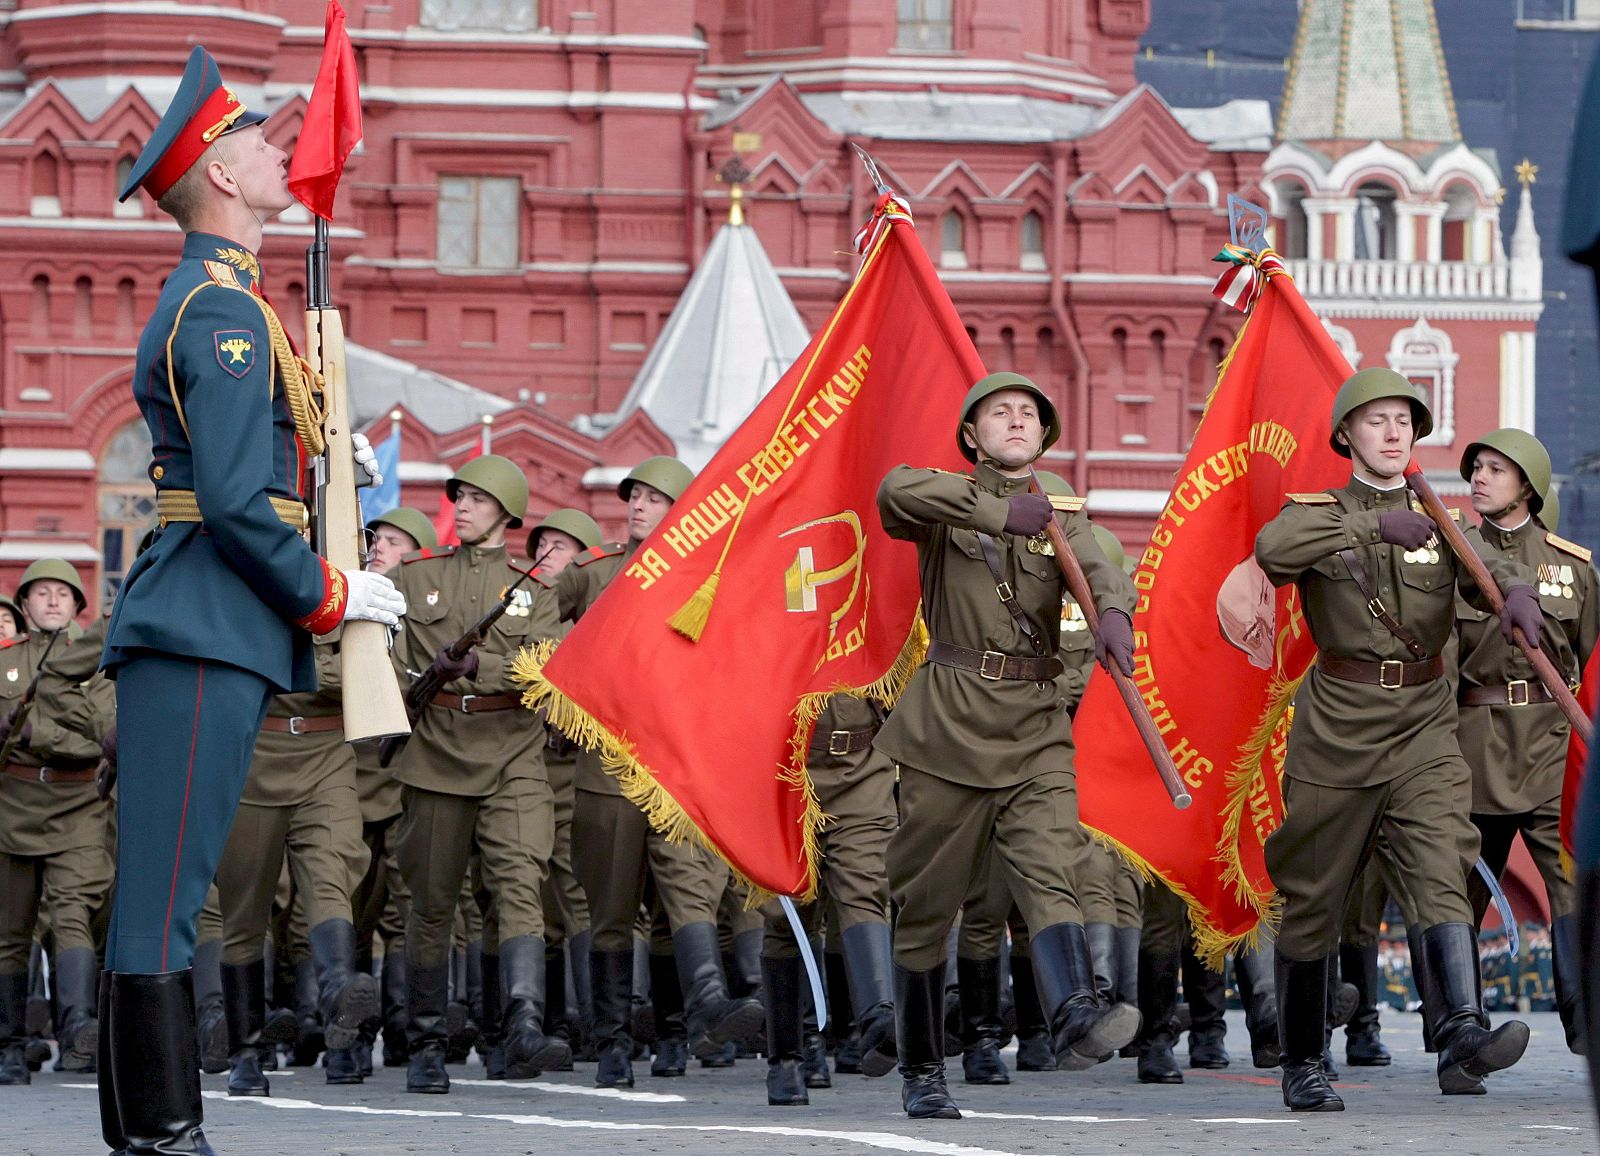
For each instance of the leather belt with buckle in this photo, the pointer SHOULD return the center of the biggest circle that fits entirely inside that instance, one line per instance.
(301, 725)
(1518, 692)
(477, 703)
(1391, 674)
(993, 665)
(50, 774)
(841, 742)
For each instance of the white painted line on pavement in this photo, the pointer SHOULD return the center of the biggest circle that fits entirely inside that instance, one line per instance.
(1247, 1120)
(1551, 1128)
(577, 1090)
(1054, 1119)
(886, 1140)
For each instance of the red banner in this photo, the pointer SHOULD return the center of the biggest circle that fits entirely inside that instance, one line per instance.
(1577, 760)
(1219, 651)
(776, 560)
(332, 125)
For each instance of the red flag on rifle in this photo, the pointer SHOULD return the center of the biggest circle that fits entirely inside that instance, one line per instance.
(333, 121)
(775, 562)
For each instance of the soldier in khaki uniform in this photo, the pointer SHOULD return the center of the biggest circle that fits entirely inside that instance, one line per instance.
(559, 539)
(381, 902)
(616, 852)
(474, 775)
(53, 824)
(982, 734)
(10, 620)
(1512, 734)
(299, 803)
(1373, 745)
(855, 789)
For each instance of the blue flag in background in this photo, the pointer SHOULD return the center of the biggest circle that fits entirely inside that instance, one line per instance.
(377, 500)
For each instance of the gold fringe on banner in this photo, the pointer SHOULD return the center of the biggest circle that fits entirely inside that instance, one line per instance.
(690, 619)
(619, 757)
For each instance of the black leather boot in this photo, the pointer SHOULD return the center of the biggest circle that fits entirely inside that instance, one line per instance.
(582, 994)
(156, 1080)
(212, 1022)
(529, 1051)
(1206, 992)
(1102, 939)
(394, 1007)
(557, 1020)
(1083, 1030)
(919, 1016)
(1252, 971)
(869, 964)
(1468, 1050)
(814, 1045)
(244, 1007)
(487, 1037)
(1363, 1047)
(1586, 963)
(1302, 990)
(842, 1038)
(1158, 999)
(1564, 958)
(76, 983)
(780, 980)
(611, 980)
(309, 1040)
(346, 998)
(979, 983)
(464, 1019)
(1127, 940)
(13, 1018)
(1419, 979)
(672, 1032)
(713, 1017)
(106, 1088)
(1034, 1050)
(427, 992)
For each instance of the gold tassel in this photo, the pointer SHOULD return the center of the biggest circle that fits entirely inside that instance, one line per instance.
(690, 619)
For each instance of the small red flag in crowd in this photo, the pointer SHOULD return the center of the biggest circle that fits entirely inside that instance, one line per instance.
(332, 125)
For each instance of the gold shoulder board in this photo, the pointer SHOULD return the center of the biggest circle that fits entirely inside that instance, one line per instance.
(222, 274)
(1572, 548)
(1066, 504)
(1312, 499)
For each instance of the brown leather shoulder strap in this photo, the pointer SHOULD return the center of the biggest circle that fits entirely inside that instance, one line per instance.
(1008, 596)
(1358, 571)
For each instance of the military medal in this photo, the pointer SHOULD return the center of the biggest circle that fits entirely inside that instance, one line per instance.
(11, 675)
(433, 598)
(1039, 544)
(1072, 618)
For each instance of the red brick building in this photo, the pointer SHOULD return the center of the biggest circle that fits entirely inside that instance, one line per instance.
(540, 179)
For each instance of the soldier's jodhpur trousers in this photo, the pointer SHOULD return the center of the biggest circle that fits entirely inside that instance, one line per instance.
(1327, 838)
(946, 835)
(186, 731)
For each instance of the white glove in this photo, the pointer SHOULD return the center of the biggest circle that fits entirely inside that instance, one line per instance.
(368, 475)
(372, 598)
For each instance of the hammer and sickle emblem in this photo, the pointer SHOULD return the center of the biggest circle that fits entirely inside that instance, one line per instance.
(236, 348)
(801, 579)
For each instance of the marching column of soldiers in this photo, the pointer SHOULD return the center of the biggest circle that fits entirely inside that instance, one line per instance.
(958, 887)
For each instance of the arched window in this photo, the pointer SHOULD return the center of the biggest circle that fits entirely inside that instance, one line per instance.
(953, 241)
(1346, 341)
(1032, 241)
(127, 503)
(82, 307)
(1426, 357)
(46, 177)
(1374, 222)
(1291, 238)
(134, 205)
(1455, 232)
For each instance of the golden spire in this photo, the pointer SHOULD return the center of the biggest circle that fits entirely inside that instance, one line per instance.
(734, 174)
(1527, 172)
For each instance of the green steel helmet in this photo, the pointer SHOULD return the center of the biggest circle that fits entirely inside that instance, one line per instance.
(59, 569)
(17, 620)
(1109, 545)
(572, 522)
(1052, 483)
(1523, 448)
(668, 475)
(994, 383)
(1550, 514)
(409, 521)
(1374, 385)
(500, 478)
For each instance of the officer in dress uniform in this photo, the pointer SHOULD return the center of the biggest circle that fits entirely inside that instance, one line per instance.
(1373, 747)
(381, 902)
(474, 778)
(982, 735)
(616, 851)
(1513, 735)
(218, 614)
(53, 846)
(556, 542)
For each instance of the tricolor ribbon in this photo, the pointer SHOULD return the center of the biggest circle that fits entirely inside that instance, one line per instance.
(889, 208)
(1240, 285)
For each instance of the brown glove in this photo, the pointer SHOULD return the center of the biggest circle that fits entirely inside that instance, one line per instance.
(1029, 513)
(1115, 642)
(1521, 610)
(1405, 528)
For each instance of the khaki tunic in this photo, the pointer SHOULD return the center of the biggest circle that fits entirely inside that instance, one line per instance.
(1518, 753)
(446, 591)
(953, 723)
(577, 587)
